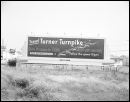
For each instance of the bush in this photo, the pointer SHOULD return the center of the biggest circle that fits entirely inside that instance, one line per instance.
(22, 83)
(12, 62)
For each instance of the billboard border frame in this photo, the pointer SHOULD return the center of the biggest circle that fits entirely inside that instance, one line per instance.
(83, 37)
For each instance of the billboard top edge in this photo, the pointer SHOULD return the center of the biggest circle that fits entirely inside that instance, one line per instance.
(83, 37)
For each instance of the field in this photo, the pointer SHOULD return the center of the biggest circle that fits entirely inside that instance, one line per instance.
(51, 83)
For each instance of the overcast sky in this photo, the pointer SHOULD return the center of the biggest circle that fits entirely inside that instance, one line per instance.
(110, 19)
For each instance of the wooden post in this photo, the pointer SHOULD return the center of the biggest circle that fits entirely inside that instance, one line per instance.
(103, 68)
(87, 67)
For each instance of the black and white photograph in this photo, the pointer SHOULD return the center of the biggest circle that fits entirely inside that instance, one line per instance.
(64, 50)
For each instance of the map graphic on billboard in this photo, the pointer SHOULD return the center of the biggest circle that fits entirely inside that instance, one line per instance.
(65, 47)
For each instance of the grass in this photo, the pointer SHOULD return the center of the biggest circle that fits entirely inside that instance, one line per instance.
(54, 84)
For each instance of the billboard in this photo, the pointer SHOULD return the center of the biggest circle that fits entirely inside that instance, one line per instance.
(12, 51)
(58, 47)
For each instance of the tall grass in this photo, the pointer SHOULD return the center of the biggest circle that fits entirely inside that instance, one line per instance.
(44, 84)
(15, 88)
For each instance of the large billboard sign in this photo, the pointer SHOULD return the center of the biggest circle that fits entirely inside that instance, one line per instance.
(56, 47)
(11, 51)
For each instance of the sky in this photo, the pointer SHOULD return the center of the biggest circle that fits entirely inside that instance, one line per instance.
(109, 19)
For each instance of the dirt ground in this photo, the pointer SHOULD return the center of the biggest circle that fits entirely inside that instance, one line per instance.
(58, 84)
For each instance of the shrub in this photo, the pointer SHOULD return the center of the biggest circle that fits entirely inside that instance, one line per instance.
(12, 62)
(22, 83)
